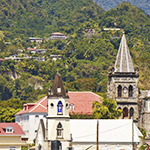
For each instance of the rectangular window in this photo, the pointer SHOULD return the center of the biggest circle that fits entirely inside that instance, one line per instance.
(58, 90)
(36, 118)
(12, 148)
(148, 106)
(17, 119)
(9, 130)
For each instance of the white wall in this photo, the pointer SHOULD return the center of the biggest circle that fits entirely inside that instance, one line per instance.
(108, 146)
(29, 123)
(8, 147)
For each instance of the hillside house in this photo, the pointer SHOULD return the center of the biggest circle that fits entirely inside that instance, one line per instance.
(55, 57)
(35, 50)
(36, 39)
(58, 35)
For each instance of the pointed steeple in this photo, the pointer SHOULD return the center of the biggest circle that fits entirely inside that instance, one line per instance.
(123, 60)
(58, 87)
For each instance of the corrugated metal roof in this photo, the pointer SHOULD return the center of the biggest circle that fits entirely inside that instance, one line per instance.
(120, 130)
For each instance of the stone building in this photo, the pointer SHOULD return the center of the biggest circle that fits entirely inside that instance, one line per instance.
(123, 87)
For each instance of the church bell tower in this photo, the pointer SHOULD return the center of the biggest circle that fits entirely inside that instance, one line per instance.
(123, 83)
(58, 125)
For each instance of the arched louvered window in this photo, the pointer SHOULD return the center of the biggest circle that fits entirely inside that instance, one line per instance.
(119, 91)
(125, 112)
(59, 130)
(130, 91)
(131, 112)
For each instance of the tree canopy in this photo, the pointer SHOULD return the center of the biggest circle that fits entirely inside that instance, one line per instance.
(106, 110)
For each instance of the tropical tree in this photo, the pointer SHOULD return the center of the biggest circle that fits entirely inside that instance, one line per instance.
(106, 109)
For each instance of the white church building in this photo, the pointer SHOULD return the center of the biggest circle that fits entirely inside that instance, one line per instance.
(29, 117)
(61, 132)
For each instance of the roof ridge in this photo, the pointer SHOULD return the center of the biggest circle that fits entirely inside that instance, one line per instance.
(43, 106)
(34, 107)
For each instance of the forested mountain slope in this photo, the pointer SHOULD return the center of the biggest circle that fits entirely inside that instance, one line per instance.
(108, 4)
(87, 54)
(42, 17)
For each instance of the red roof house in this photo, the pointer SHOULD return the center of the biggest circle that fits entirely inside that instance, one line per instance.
(10, 129)
(11, 136)
(28, 118)
(80, 102)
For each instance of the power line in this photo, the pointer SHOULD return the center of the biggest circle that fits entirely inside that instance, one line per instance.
(102, 132)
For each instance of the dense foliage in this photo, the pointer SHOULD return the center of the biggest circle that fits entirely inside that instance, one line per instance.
(87, 54)
(42, 17)
(106, 109)
(108, 4)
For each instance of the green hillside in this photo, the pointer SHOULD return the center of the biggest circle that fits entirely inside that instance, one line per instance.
(108, 4)
(87, 54)
(42, 17)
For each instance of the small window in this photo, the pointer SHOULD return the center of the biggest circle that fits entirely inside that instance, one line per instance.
(131, 112)
(71, 106)
(125, 112)
(67, 105)
(52, 105)
(12, 148)
(60, 107)
(17, 119)
(59, 130)
(9, 129)
(58, 90)
(36, 118)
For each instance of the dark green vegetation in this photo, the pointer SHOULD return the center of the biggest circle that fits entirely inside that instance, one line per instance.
(41, 17)
(86, 56)
(108, 4)
(106, 110)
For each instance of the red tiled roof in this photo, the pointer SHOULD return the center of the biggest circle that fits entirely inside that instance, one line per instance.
(39, 107)
(2, 59)
(82, 102)
(17, 130)
(31, 49)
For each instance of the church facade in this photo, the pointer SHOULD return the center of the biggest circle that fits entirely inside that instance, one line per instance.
(61, 132)
(123, 86)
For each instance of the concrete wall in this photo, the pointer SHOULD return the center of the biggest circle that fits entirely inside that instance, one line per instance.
(30, 125)
(107, 146)
(8, 147)
(10, 141)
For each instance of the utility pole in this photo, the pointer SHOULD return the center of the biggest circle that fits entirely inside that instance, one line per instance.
(132, 135)
(97, 136)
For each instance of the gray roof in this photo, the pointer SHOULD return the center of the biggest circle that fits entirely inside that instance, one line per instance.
(123, 60)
